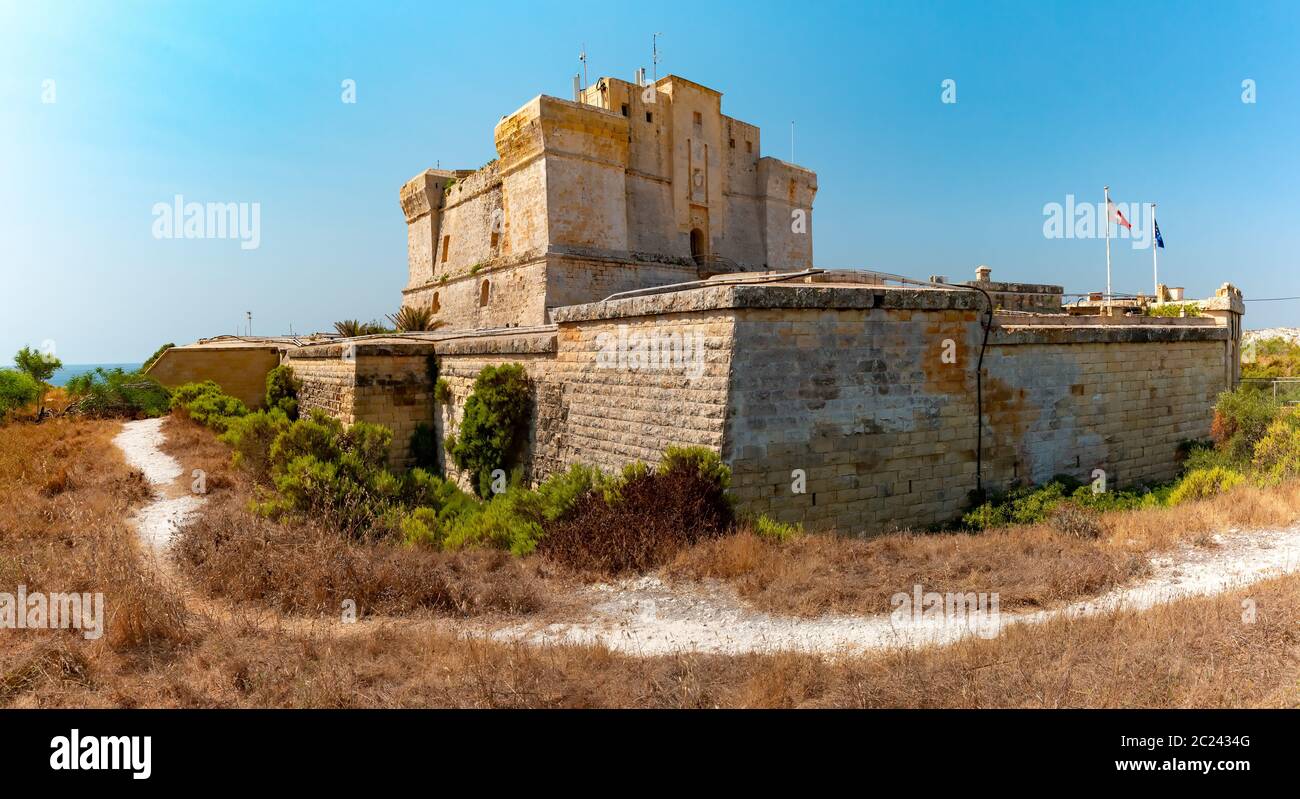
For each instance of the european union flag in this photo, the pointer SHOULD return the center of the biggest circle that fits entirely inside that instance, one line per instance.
(1159, 241)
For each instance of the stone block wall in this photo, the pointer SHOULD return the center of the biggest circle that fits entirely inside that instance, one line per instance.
(870, 391)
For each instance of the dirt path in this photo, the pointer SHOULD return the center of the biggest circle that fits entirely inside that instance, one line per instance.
(141, 442)
(648, 617)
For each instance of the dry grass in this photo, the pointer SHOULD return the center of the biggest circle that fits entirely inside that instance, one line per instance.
(73, 536)
(816, 574)
(64, 501)
(1029, 566)
(303, 568)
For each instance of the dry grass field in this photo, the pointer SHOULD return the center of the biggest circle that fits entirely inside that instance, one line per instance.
(254, 624)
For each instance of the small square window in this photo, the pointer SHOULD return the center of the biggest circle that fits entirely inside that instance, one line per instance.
(699, 118)
(624, 109)
(749, 147)
(732, 143)
(649, 117)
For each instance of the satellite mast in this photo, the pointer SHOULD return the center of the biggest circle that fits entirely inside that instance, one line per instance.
(583, 58)
(654, 54)
(249, 314)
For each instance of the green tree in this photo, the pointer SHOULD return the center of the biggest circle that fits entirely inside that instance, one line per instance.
(40, 366)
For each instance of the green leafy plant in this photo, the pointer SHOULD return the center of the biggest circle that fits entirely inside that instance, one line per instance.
(114, 392)
(351, 328)
(40, 367)
(282, 391)
(1241, 418)
(412, 319)
(1174, 309)
(781, 532)
(208, 405)
(491, 432)
(158, 353)
(17, 391)
(1204, 483)
(442, 391)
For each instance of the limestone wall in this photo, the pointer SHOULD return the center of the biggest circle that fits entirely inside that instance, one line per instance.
(852, 386)
(870, 391)
(239, 370)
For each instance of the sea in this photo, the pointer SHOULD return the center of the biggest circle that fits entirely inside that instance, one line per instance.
(68, 371)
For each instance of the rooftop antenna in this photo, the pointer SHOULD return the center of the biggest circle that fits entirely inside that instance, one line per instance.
(583, 58)
(249, 314)
(654, 54)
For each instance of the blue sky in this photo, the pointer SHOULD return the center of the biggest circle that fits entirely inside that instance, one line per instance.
(237, 102)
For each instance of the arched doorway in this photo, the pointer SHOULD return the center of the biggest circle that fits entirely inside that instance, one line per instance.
(699, 245)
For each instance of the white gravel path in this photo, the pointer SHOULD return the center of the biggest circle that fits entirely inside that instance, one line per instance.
(648, 617)
(157, 522)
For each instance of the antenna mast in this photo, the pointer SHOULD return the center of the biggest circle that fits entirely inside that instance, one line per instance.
(654, 54)
(583, 58)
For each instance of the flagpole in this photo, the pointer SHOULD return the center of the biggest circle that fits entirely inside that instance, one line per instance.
(1106, 213)
(1155, 262)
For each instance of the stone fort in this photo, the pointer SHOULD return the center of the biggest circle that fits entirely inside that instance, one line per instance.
(653, 273)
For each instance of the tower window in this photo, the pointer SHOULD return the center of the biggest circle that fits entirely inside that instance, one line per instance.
(649, 117)
(484, 291)
(699, 118)
(749, 147)
(624, 109)
(731, 143)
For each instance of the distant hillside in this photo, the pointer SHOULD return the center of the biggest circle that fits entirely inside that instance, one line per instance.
(1290, 334)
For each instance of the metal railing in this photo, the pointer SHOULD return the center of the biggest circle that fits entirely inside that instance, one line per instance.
(1283, 389)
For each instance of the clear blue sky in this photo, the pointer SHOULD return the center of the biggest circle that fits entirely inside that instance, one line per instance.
(240, 102)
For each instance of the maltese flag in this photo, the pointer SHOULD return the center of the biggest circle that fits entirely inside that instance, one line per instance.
(1115, 215)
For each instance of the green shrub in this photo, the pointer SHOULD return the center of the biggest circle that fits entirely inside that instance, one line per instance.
(114, 392)
(40, 366)
(252, 436)
(424, 446)
(216, 410)
(769, 528)
(1037, 504)
(17, 391)
(282, 391)
(491, 431)
(1174, 309)
(1241, 418)
(152, 359)
(318, 436)
(442, 391)
(1203, 484)
(1277, 454)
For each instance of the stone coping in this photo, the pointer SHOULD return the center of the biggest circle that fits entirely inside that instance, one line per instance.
(791, 295)
(527, 342)
(1105, 334)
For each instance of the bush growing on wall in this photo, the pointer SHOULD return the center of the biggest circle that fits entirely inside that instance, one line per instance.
(492, 429)
(282, 391)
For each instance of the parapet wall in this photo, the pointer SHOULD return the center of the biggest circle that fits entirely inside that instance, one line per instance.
(848, 407)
